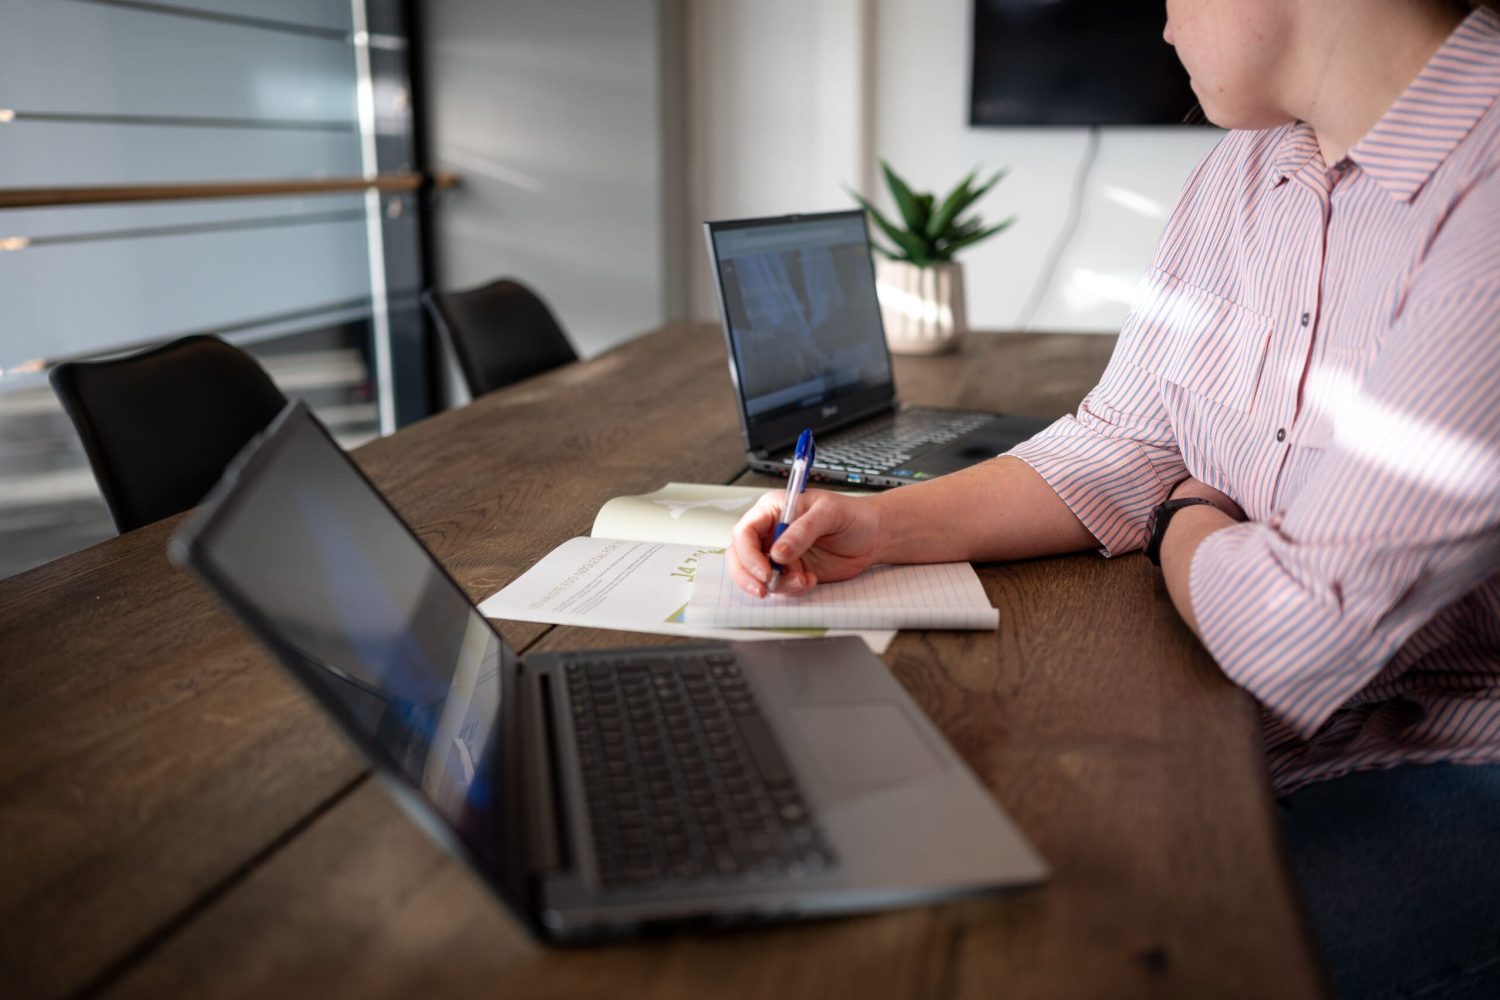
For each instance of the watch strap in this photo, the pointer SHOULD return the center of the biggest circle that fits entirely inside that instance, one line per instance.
(1161, 516)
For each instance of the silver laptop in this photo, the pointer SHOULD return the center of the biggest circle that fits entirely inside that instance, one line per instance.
(595, 792)
(807, 350)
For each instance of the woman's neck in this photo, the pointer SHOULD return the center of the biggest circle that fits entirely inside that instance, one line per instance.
(1357, 59)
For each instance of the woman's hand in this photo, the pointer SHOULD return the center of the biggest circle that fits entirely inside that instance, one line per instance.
(832, 538)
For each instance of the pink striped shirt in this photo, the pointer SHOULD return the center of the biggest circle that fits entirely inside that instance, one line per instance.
(1323, 345)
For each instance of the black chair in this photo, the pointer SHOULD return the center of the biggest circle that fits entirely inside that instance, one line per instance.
(501, 332)
(160, 426)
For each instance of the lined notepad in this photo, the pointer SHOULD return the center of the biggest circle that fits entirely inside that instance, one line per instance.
(938, 595)
(634, 586)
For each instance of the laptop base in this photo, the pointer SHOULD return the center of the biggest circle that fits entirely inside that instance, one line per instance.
(981, 436)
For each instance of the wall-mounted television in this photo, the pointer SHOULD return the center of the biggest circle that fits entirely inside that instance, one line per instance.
(1075, 62)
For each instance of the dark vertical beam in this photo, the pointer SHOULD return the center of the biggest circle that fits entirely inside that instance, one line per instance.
(390, 49)
(416, 65)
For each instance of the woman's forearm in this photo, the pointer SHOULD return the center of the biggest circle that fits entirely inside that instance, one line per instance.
(1001, 509)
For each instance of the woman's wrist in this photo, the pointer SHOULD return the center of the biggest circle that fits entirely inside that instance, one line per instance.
(887, 526)
(1191, 487)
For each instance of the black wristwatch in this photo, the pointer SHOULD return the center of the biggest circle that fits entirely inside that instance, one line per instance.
(1156, 527)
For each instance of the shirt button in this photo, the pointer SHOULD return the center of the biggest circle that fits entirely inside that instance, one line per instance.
(1306, 318)
(1280, 434)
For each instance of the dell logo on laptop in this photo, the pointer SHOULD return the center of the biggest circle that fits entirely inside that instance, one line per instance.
(829, 411)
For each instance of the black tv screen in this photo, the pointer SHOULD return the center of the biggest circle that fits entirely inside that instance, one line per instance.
(1075, 62)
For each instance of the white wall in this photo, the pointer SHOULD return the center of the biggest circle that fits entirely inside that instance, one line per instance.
(594, 139)
(551, 113)
(767, 78)
(777, 118)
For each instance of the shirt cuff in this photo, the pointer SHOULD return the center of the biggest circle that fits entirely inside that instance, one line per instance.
(1108, 483)
(1267, 637)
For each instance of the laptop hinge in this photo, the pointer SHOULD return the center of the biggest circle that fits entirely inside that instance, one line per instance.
(790, 431)
(547, 846)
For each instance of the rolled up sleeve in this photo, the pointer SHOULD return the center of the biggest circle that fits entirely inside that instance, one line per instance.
(1400, 519)
(1118, 457)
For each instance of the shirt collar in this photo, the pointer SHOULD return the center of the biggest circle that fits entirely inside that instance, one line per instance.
(1416, 134)
(1298, 144)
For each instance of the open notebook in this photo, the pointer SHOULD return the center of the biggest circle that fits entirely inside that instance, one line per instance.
(937, 595)
(636, 571)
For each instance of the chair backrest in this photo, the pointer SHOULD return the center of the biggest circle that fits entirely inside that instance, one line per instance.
(160, 426)
(501, 333)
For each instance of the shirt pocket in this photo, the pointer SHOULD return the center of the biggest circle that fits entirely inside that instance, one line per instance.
(1193, 338)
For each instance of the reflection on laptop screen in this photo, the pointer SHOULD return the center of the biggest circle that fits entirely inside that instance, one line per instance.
(358, 609)
(802, 312)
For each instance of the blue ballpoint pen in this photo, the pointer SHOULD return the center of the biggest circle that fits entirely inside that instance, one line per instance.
(802, 462)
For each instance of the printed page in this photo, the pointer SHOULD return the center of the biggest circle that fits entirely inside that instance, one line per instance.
(628, 585)
(937, 595)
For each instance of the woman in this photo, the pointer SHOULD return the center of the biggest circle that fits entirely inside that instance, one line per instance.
(1302, 421)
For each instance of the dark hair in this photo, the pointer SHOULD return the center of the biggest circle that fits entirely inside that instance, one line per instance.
(1493, 6)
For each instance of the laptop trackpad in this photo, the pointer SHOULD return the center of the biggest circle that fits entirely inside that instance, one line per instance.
(863, 747)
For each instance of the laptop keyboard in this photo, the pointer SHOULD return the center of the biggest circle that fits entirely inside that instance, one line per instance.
(873, 452)
(683, 776)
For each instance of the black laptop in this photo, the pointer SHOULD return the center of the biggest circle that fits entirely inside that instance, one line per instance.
(807, 350)
(597, 792)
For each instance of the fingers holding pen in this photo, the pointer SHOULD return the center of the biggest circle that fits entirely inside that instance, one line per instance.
(751, 551)
(746, 558)
(794, 580)
(798, 537)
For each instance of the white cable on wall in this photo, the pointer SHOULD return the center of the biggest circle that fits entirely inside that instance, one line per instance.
(1043, 286)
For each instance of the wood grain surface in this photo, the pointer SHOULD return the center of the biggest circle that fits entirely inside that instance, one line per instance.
(178, 820)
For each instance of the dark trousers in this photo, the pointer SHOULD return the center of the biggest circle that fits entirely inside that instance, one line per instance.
(1399, 872)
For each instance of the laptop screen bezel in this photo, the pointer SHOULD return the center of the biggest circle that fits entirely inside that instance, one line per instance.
(508, 878)
(766, 435)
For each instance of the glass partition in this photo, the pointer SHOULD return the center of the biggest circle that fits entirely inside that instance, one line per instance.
(97, 98)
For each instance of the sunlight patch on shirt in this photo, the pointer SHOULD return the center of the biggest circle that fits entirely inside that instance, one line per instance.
(1418, 450)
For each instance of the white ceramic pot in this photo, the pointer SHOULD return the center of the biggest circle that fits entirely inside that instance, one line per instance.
(922, 307)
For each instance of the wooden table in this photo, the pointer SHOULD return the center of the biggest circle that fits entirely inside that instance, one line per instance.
(176, 818)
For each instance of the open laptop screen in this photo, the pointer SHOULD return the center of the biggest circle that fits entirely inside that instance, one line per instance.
(801, 312)
(302, 548)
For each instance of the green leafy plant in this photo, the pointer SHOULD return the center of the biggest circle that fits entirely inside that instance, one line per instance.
(933, 231)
